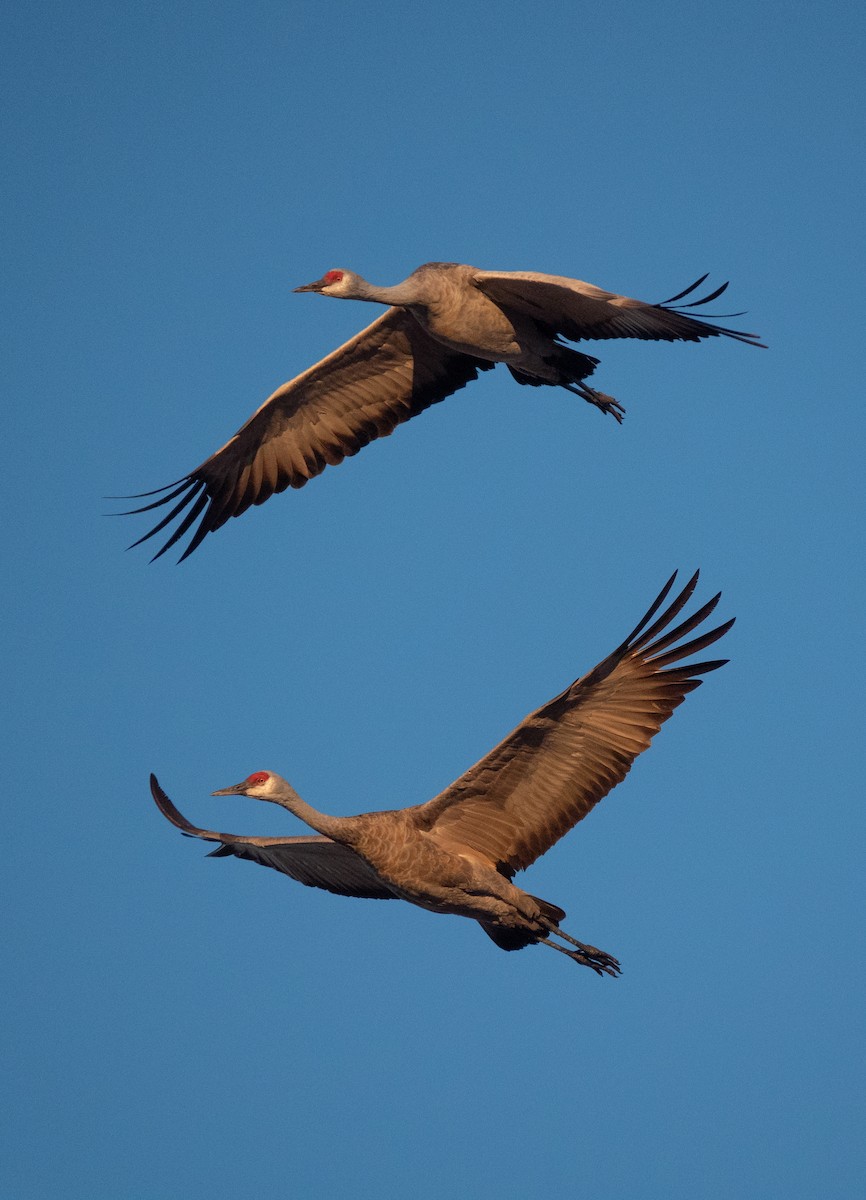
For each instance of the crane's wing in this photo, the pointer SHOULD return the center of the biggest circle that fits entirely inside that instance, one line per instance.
(582, 312)
(565, 757)
(315, 861)
(386, 374)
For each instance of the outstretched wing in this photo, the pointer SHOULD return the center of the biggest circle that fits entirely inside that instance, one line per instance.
(315, 861)
(386, 374)
(565, 757)
(582, 312)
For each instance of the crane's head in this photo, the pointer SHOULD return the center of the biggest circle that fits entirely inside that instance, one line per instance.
(335, 283)
(261, 784)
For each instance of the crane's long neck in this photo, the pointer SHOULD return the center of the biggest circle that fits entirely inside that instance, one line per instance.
(338, 828)
(401, 294)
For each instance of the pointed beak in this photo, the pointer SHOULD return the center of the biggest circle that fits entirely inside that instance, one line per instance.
(237, 789)
(311, 287)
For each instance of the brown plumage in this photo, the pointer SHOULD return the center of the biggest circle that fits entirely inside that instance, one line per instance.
(448, 321)
(458, 852)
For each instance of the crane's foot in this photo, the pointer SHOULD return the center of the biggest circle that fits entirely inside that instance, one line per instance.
(607, 404)
(587, 956)
(601, 963)
(601, 400)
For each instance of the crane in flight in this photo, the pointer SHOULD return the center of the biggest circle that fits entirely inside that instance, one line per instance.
(458, 853)
(445, 323)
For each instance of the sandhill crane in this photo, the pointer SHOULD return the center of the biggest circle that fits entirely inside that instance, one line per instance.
(458, 852)
(446, 323)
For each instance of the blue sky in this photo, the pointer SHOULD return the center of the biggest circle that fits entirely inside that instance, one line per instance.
(183, 1027)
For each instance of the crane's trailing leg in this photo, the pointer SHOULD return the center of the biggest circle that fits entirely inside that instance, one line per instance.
(587, 956)
(601, 400)
(592, 951)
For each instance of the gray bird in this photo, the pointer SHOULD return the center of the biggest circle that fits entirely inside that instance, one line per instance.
(459, 852)
(446, 323)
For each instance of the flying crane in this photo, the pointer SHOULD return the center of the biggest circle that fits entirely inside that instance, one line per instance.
(445, 323)
(458, 853)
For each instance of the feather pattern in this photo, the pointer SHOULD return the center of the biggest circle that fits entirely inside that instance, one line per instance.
(581, 312)
(389, 372)
(567, 755)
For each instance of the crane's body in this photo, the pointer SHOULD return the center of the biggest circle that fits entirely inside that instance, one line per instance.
(445, 323)
(445, 301)
(434, 872)
(458, 852)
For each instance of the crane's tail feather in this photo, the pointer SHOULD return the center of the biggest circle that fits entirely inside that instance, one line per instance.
(508, 939)
(515, 939)
(551, 912)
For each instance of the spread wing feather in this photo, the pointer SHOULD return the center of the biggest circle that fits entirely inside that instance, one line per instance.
(314, 861)
(567, 755)
(582, 312)
(386, 374)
